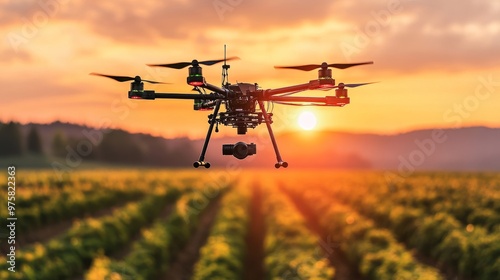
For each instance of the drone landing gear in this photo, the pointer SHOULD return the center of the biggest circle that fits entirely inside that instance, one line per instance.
(267, 119)
(283, 164)
(201, 161)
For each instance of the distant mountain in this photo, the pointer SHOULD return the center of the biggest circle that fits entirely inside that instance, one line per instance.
(462, 149)
(471, 148)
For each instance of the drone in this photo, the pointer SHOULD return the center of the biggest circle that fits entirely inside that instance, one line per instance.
(244, 102)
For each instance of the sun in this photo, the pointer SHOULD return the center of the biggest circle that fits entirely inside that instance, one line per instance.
(307, 120)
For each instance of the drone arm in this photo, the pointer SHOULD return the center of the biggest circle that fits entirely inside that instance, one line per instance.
(298, 99)
(283, 90)
(188, 96)
(151, 95)
(327, 100)
(312, 85)
(214, 88)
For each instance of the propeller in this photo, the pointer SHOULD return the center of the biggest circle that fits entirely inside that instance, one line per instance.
(137, 79)
(342, 85)
(180, 65)
(309, 67)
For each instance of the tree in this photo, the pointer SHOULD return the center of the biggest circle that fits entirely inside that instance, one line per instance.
(118, 147)
(59, 143)
(34, 142)
(10, 140)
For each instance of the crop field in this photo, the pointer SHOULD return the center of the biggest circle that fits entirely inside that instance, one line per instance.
(176, 224)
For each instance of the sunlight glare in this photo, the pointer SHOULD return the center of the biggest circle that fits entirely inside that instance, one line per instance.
(307, 120)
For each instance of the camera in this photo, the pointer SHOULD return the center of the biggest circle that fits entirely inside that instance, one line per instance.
(239, 150)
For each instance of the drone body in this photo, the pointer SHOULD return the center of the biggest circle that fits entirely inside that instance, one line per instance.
(244, 102)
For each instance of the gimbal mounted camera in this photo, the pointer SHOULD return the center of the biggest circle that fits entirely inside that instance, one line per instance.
(239, 150)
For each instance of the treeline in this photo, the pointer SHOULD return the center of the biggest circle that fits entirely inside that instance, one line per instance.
(13, 144)
(113, 146)
(121, 147)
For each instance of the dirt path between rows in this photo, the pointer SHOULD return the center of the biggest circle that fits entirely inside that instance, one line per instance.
(126, 249)
(254, 259)
(182, 266)
(343, 269)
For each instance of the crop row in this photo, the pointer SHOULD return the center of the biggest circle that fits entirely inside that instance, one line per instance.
(470, 250)
(291, 250)
(152, 253)
(222, 255)
(471, 199)
(32, 196)
(65, 207)
(39, 204)
(36, 188)
(374, 251)
(67, 255)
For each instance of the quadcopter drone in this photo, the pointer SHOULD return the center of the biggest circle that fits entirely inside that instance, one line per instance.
(244, 102)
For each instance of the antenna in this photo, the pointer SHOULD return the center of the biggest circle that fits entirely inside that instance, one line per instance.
(225, 73)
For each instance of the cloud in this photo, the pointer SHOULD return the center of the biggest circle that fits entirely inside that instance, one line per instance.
(409, 36)
(400, 34)
(133, 22)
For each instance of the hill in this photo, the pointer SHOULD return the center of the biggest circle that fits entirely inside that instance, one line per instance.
(461, 149)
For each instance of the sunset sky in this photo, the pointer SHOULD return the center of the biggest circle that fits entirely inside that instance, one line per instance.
(437, 61)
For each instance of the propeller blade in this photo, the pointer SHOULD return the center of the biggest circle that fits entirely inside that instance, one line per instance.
(180, 65)
(347, 65)
(154, 82)
(126, 78)
(355, 85)
(307, 67)
(212, 62)
(310, 67)
(116, 78)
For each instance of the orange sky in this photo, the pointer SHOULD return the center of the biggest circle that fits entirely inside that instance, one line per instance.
(437, 61)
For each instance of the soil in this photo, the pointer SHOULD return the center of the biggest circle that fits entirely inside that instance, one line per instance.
(182, 266)
(343, 269)
(254, 260)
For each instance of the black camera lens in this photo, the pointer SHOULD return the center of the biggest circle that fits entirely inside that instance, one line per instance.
(239, 150)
